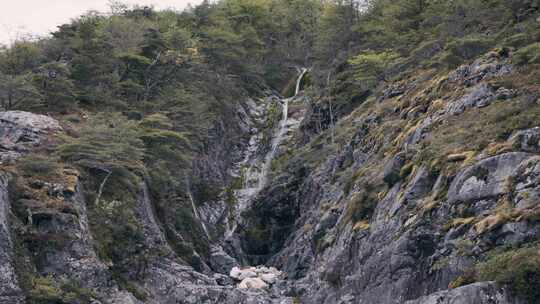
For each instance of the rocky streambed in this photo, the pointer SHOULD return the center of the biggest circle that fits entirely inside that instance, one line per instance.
(257, 278)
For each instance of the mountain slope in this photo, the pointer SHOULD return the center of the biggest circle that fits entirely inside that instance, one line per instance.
(373, 152)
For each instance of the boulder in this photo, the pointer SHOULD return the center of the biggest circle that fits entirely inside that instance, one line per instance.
(479, 96)
(241, 274)
(269, 278)
(420, 185)
(252, 283)
(488, 178)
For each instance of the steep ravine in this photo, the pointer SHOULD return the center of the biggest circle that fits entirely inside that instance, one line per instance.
(396, 201)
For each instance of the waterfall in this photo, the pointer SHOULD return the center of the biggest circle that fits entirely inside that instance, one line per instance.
(278, 137)
(299, 81)
(282, 130)
(256, 174)
(196, 214)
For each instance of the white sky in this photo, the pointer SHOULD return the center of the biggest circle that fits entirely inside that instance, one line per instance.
(40, 17)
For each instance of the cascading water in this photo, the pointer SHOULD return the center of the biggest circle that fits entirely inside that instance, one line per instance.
(278, 137)
(256, 173)
(197, 216)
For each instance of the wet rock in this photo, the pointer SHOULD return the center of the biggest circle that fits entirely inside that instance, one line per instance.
(488, 178)
(477, 293)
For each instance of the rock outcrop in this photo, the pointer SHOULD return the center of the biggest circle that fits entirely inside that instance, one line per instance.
(22, 131)
(478, 293)
(10, 291)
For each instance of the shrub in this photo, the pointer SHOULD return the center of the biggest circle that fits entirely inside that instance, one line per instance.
(109, 142)
(44, 290)
(519, 269)
(362, 204)
(37, 165)
(370, 66)
(464, 49)
(528, 55)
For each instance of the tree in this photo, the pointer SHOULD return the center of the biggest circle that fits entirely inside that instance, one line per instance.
(55, 86)
(370, 66)
(108, 142)
(17, 92)
(20, 58)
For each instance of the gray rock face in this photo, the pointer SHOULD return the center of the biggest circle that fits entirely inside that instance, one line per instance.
(10, 291)
(486, 179)
(480, 96)
(527, 140)
(392, 169)
(220, 261)
(480, 69)
(78, 261)
(478, 293)
(21, 131)
(421, 184)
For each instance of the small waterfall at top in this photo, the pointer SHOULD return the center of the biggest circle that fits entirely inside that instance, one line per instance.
(256, 175)
(278, 137)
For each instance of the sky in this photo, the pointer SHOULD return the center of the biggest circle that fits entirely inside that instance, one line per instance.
(40, 17)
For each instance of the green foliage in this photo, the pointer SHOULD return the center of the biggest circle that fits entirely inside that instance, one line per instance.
(107, 142)
(528, 55)
(371, 65)
(54, 84)
(20, 58)
(45, 290)
(519, 268)
(18, 92)
(35, 165)
(464, 49)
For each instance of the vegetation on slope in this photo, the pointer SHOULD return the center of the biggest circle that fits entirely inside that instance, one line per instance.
(141, 94)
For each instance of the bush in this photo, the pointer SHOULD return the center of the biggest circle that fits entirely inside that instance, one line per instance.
(464, 49)
(37, 165)
(108, 142)
(45, 290)
(528, 55)
(371, 66)
(362, 204)
(519, 269)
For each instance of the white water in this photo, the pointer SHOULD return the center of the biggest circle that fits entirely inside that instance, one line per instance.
(196, 213)
(256, 173)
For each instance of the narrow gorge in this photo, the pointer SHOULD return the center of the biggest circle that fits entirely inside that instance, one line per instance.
(274, 152)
